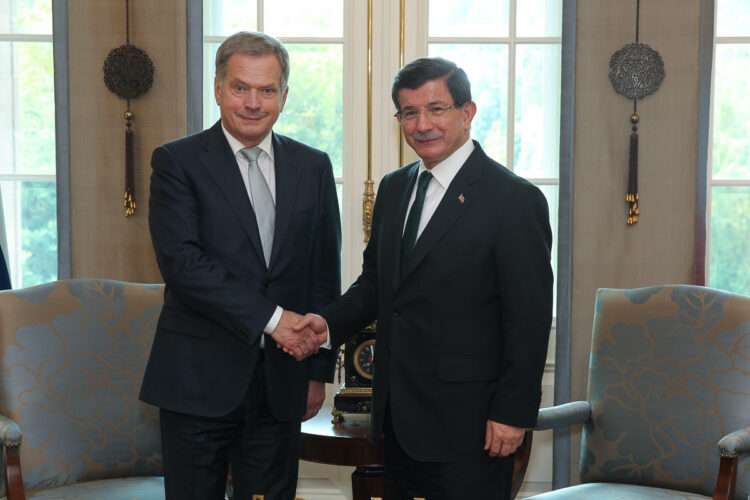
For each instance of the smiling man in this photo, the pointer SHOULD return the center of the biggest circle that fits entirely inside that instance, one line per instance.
(457, 273)
(245, 226)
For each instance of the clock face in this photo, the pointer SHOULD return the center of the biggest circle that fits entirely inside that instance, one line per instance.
(364, 359)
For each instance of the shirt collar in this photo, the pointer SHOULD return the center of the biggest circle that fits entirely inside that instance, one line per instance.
(446, 170)
(266, 145)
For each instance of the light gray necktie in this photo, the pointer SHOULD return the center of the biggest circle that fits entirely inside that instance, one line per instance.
(265, 210)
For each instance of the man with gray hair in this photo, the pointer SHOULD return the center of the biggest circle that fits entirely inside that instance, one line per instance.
(245, 226)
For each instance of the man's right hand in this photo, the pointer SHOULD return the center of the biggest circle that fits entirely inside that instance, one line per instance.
(315, 323)
(298, 342)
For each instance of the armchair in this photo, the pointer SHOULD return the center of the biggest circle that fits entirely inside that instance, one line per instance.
(72, 355)
(667, 414)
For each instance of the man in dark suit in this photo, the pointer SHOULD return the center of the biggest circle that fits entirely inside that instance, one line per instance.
(457, 273)
(245, 225)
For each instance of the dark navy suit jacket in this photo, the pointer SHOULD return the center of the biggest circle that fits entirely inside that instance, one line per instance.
(462, 331)
(219, 292)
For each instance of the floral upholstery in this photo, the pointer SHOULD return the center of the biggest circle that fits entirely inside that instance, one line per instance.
(128, 488)
(669, 376)
(617, 491)
(72, 356)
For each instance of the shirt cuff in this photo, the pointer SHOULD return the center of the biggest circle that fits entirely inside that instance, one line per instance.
(327, 343)
(274, 321)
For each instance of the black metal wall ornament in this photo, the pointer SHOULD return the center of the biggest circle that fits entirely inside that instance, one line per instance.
(128, 73)
(636, 71)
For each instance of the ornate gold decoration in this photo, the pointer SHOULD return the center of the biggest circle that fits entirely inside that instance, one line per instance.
(401, 62)
(356, 390)
(368, 204)
(368, 198)
(338, 416)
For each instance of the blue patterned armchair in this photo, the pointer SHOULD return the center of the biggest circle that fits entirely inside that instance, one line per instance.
(72, 355)
(668, 409)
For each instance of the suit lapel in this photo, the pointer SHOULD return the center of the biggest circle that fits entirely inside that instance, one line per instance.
(459, 196)
(221, 166)
(286, 165)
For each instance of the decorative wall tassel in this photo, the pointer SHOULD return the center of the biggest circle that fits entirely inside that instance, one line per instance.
(128, 73)
(632, 195)
(635, 71)
(129, 197)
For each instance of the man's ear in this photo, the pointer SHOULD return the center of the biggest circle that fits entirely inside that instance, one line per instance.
(283, 99)
(469, 110)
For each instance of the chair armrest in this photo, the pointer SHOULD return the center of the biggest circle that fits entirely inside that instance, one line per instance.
(735, 443)
(577, 412)
(731, 447)
(10, 439)
(10, 433)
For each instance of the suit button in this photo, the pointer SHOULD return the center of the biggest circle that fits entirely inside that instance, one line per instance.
(266, 284)
(396, 312)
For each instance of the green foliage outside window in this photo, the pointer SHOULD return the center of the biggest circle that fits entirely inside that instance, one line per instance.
(730, 239)
(30, 69)
(729, 266)
(314, 111)
(39, 237)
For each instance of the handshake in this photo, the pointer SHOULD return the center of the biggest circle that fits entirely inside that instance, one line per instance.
(300, 336)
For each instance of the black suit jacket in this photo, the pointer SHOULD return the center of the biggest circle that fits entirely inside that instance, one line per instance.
(219, 292)
(462, 331)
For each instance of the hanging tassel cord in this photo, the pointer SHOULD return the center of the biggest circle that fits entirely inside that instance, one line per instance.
(632, 195)
(129, 197)
(127, 24)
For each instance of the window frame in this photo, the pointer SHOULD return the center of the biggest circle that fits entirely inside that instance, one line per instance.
(58, 40)
(706, 179)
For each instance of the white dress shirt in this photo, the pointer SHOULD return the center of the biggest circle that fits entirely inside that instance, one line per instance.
(267, 168)
(443, 173)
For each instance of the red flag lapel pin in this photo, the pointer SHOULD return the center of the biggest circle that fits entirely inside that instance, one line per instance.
(461, 198)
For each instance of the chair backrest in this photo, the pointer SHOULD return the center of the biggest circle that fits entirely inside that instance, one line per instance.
(72, 357)
(669, 376)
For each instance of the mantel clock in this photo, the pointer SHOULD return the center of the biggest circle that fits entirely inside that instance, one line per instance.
(359, 367)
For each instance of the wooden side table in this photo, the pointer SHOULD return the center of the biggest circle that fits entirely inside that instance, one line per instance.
(345, 443)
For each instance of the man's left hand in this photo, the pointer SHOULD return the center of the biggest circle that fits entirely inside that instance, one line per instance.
(501, 440)
(316, 393)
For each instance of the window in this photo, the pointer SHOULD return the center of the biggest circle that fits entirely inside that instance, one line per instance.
(27, 140)
(313, 33)
(512, 57)
(729, 166)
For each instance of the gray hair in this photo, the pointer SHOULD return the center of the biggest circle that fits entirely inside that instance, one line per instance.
(254, 44)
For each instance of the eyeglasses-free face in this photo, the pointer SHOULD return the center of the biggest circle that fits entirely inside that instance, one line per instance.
(250, 97)
(432, 126)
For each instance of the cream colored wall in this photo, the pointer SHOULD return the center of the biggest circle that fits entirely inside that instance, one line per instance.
(659, 248)
(105, 243)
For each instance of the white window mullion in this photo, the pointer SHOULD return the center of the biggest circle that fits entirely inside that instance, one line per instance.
(261, 18)
(511, 124)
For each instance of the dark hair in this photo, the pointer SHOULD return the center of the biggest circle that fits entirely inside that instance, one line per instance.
(254, 44)
(420, 71)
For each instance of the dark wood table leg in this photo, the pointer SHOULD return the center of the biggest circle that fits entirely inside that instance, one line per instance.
(368, 482)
